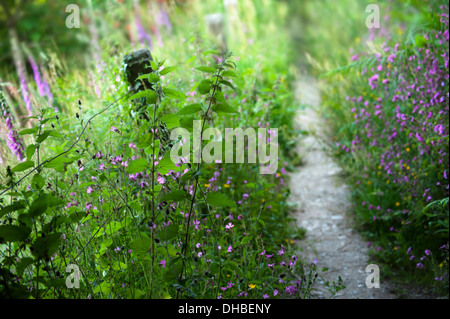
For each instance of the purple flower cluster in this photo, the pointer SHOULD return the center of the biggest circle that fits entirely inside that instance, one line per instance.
(14, 142)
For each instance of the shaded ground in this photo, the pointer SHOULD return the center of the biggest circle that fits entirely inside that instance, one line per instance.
(323, 209)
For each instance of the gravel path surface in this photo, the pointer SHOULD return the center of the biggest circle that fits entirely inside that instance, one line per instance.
(324, 210)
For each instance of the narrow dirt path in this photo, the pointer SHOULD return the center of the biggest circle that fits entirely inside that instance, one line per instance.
(324, 209)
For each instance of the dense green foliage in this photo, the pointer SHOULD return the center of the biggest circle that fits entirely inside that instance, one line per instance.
(385, 95)
(96, 186)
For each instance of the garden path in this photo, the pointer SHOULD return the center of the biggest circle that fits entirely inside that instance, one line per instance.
(324, 209)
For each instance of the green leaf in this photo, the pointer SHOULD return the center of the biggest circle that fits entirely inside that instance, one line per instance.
(191, 108)
(223, 108)
(154, 65)
(31, 149)
(39, 206)
(142, 245)
(153, 78)
(150, 95)
(167, 70)
(262, 222)
(220, 200)
(137, 166)
(43, 136)
(169, 232)
(173, 93)
(171, 120)
(175, 196)
(245, 240)
(23, 166)
(12, 233)
(206, 69)
(187, 123)
(204, 86)
(112, 227)
(38, 181)
(28, 131)
(23, 264)
(48, 245)
(227, 83)
(230, 73)
(166, 164)
(11, 208)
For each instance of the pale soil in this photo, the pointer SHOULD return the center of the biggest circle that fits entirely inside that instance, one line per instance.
(324, 210)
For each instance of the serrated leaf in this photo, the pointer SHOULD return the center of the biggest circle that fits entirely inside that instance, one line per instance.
(166, 164)
(137, 166)
(220, 200)
(167, 70)
(227, 83)
(31, 149)
(169, 232)
(112, 227)
(153, 78)
(11, 208)
(171, 120)
(229, 73)
(43, 136)
(12, 233)
(23, 264)
(28, 131)
(173, 93)
(23, 166)
(38, 207)
(207, 69)
(38, 181)
(204, 86)
(141, 245)
(187, 123)
(223, 108)
(175, 196)
(191, 108)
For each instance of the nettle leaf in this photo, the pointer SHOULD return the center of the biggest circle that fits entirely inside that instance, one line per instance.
(39, 206)
(142, 245)
(204, 86)
(153, 78)
(23, 166)
(23, 264)
(171, 120)
(154, 65)
(207, 69)
(44, 135)
(169, 232)
(187, 123)
(173, 93)
(150, 95)
(31, 149)
(137, 166)
(230, 73)
(38, 181)
(227, 83)
(12, 208)
(223, 108)
(29, 131)
(167, 70)
(12, 233)
(166, 164)
(175, 196)
(112, 227)
(220, 200)
(48, 245)
(191, 108)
